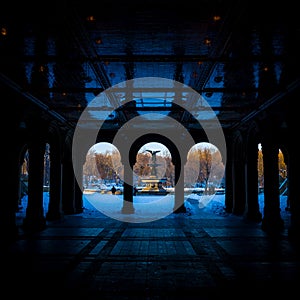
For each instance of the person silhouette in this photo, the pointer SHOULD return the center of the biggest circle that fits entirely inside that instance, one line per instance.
(113, 190)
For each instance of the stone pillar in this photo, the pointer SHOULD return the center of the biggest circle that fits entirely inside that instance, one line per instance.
(294, 198)
(271, 221)
(179, 163)
(55, 199)
(34, 219)
(8, 208)
(238, 180)
(179, 206)
(252, 212)
(68, 182)
(128, 207)
(228, 179)
(78, 186)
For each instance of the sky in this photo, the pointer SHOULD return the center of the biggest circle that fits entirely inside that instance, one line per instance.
(103, 147)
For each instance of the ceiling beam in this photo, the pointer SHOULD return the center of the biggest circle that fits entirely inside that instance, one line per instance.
(45, 108)
(96, 91)
(150, 58)
(267, 104)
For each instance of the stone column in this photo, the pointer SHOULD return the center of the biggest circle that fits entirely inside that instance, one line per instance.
(123, 147)
(252, 207)
(8, 208)
(228, 179)
(238, 180)
(68, 182)
(179, 163)
(78, 186)
(179, 206)
(55, 199)
(272, 220)
(34, 219)
(128, 207)
(293, 174)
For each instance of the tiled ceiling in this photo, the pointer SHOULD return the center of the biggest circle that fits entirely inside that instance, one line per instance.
(235, 55)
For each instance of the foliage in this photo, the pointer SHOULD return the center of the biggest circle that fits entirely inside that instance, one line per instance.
(204, 166)
(282, 167)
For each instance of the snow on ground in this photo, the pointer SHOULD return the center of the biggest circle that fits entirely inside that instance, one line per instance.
(150, 208)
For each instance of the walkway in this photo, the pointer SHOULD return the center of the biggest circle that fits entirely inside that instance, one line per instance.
(203, 254)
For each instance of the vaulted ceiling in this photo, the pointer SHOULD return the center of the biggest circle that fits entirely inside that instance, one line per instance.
(234, 58)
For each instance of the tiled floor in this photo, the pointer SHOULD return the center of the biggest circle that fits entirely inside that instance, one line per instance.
(199, 255)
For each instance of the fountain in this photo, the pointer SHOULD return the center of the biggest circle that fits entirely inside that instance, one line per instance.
(153, 184)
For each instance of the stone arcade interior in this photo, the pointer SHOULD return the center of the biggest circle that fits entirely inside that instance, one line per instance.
(129, 73)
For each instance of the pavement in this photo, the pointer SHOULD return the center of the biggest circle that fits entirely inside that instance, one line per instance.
(200, 254)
